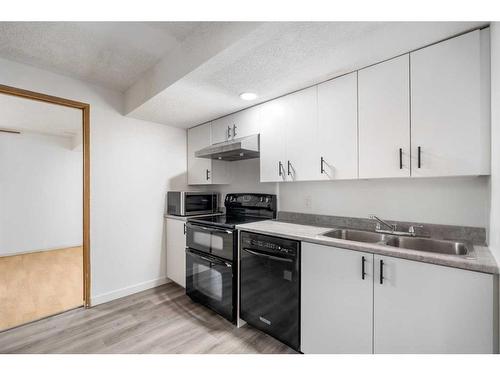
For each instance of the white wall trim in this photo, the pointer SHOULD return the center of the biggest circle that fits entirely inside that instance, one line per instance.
(123, 292)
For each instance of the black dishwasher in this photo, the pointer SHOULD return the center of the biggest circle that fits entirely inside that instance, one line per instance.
(270, 286)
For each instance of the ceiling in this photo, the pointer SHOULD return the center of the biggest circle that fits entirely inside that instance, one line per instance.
(26, 115)
(112, 54)
(183, 74)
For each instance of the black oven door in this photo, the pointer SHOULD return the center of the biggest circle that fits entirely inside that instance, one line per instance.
(214, 241)
(210, 281)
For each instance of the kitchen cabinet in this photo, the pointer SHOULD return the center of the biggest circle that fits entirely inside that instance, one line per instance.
(272, 141)
(198, 168)
(384, 119)
(221, 129)
(237, 125)
(336, 300)
(176, 246)
(337, 156)
(301, 135)
(401, 306)
(450, 102)
(202, 171)
(246, 122)
(426, 308)
(288, 141)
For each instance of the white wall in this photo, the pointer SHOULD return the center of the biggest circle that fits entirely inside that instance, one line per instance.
(455, 201)
(245, 175)
(133, 164)
(40, 193)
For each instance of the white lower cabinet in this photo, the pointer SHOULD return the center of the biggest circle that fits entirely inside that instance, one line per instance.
(336, 300)
(401, 306)
(426, 308)
(176, 247)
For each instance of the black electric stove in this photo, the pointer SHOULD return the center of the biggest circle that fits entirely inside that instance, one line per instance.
(242, 208)
(211, 250)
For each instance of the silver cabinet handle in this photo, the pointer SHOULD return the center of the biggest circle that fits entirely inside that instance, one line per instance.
(208, 174)
(322, 167)
(228, 132)
(280, 166)
(234, 130)
(288, 167)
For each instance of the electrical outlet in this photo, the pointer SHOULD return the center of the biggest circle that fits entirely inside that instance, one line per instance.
(308, 201)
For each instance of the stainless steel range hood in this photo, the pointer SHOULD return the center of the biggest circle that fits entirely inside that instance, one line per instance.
(235, 149)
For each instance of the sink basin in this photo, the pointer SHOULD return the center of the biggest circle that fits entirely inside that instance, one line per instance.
(357, 235)
(429, 245)
(413, 243)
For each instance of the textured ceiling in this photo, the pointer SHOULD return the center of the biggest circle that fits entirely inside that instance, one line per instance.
(112, 54)
(196, 70)
(278, 58)
(33, 116)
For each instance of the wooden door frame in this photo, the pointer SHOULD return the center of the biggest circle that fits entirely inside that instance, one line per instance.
(85, 108)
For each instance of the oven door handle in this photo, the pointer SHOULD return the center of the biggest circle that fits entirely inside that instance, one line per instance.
(194, 226)
(209, 259)
(288, 260)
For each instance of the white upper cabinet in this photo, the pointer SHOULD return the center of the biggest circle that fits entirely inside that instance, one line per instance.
(221, 129)
(450, 107)
(272, 141)
(236, 125)
(246, 122)
(384, 119)
(198, 169)
(203, 171)
(301, 134)
(426, 113)
(337, 156)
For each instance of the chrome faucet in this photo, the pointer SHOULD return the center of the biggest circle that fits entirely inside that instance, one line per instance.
(393, 227)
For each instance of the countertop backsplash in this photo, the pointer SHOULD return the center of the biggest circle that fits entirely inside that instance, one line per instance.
(474, 235)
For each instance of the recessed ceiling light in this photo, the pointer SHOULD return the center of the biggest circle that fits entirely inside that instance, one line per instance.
(248, 96)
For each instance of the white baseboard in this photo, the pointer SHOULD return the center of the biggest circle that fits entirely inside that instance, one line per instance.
(123, 292)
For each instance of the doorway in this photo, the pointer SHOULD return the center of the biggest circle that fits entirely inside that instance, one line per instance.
(49, 254)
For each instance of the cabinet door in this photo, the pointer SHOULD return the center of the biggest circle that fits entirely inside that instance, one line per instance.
(301, 132)
(449, 107)
(176, 256)
(272, 141)
(221, 129)
(426, 308)
(246, 122)
(338, 128)
(384, 119)
(199, 169)
(336, 302)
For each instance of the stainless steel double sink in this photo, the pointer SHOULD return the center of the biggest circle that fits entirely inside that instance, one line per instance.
(412, 243)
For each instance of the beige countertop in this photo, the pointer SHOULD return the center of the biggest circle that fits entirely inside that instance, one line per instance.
(480, 259)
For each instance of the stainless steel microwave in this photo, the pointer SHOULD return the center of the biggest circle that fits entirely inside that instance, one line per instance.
(188, 203)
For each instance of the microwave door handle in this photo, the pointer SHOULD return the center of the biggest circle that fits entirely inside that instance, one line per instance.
(267, 256)
(210, 260)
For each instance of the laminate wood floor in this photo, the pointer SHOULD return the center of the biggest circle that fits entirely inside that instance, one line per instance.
(158, 320)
